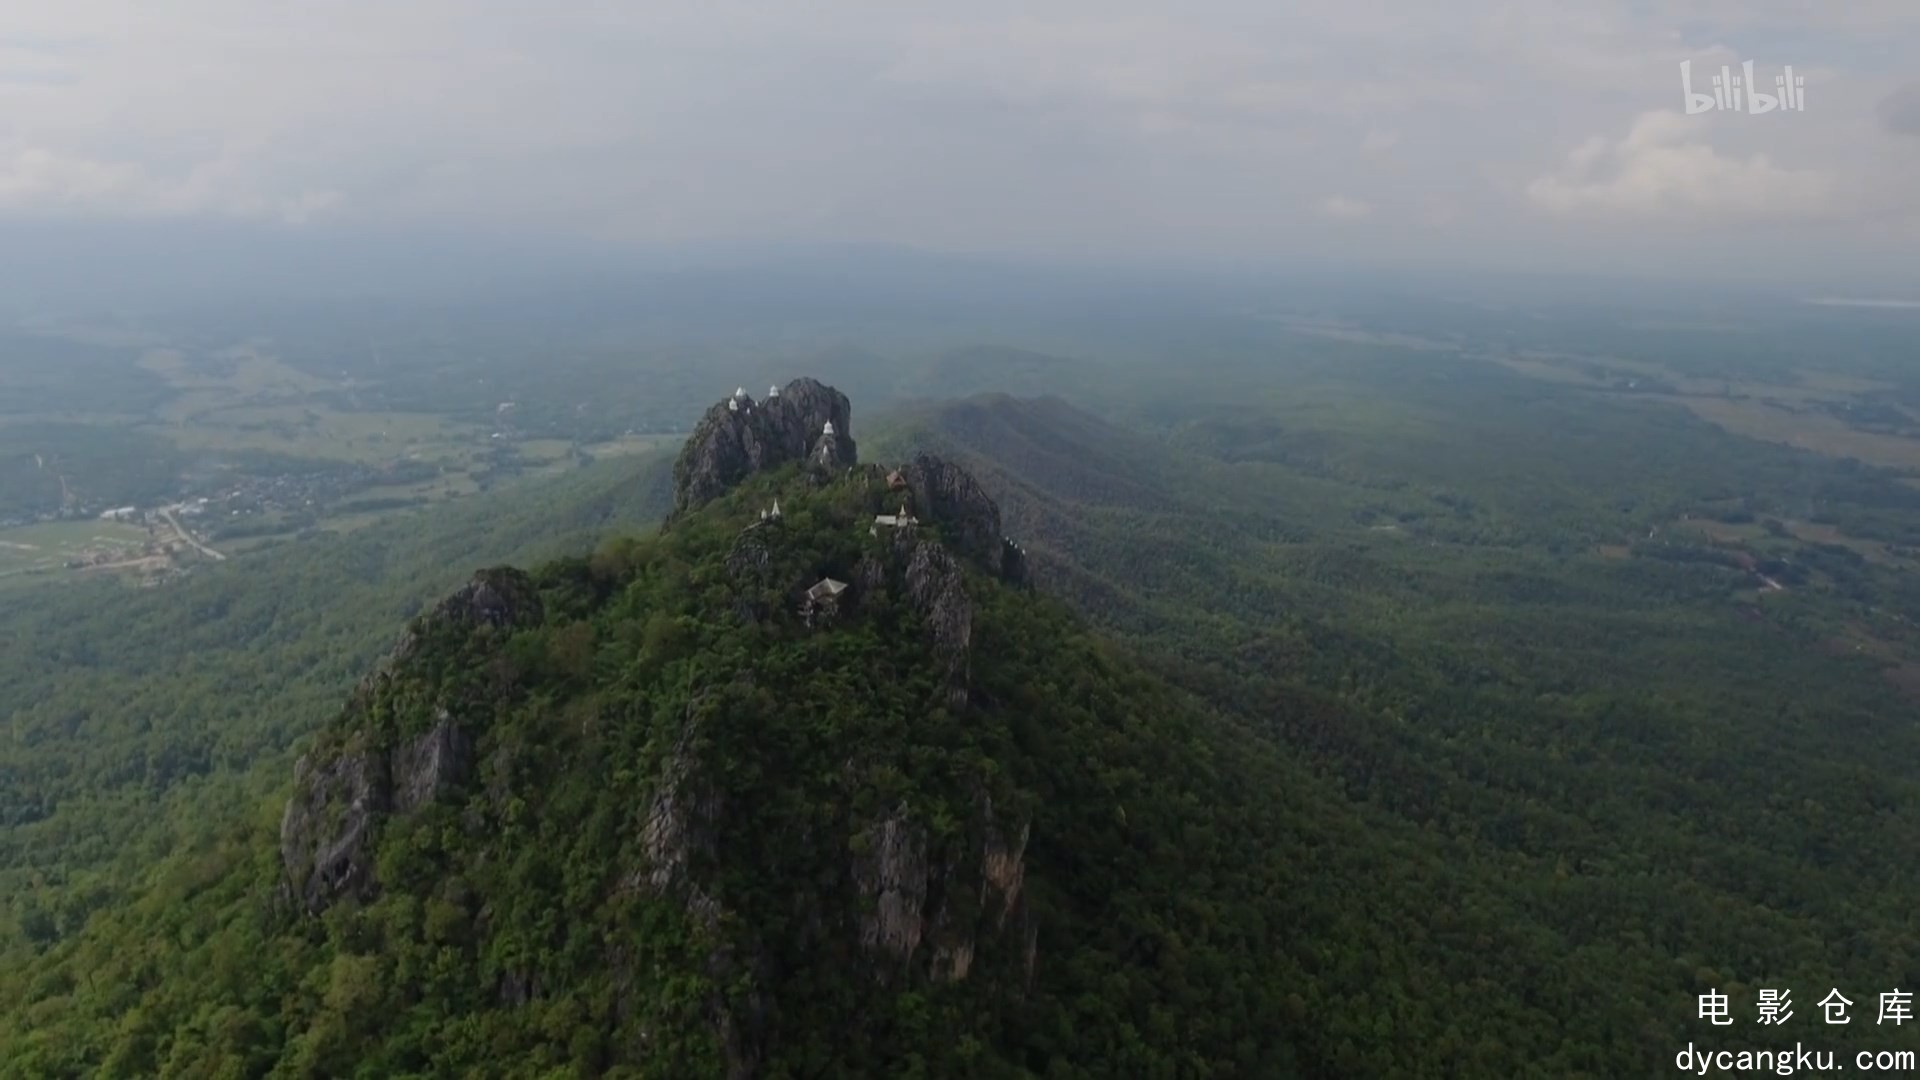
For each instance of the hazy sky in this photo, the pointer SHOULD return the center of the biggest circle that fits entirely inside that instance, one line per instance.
(1534, 133)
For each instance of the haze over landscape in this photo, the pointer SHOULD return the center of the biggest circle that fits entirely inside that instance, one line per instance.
(1538, 137)
(731, 540)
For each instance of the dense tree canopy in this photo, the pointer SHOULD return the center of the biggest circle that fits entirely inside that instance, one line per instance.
(1391, 756)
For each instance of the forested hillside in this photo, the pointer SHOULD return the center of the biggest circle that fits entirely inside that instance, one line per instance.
(143, 722)
(662, 810)
(1641, 778)
(1396, 768)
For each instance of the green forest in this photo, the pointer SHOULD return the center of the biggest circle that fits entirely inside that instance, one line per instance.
(1142, 541)
(1380, 715)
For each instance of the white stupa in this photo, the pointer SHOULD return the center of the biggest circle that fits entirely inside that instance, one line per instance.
(828, 430)
(733, 404)
(739, 391)
(773, 391)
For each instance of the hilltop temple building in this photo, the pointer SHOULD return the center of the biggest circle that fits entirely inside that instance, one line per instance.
(901, 520)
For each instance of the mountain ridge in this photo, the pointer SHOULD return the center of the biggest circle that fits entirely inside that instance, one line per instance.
(819, 808)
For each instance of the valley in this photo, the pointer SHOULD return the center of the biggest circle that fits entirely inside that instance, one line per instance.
(249, 450)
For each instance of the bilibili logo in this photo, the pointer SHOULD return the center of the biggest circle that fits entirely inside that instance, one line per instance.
(1739, 91)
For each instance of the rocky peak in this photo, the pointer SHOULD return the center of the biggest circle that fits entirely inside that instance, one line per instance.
(918, 889)
(948, 495)
(831, 454)
(500, 598)
(738, 437)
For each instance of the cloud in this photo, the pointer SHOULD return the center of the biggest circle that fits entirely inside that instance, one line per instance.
(1079, 126)
(1438, 212)
(1664, 169)
(1344, 208)
(1899, 111)
(29, 63)
(37, 178)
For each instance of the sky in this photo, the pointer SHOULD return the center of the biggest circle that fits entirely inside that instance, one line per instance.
(1534, 135)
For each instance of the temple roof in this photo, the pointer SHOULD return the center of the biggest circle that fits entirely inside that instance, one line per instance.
(826, 587)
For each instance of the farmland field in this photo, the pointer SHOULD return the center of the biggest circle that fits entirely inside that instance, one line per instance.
(31, 551)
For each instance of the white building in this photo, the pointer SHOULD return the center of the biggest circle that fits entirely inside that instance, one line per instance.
(822, 601)
(826, 589)
(900, 520)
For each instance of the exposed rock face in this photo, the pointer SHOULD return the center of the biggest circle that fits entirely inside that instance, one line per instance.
(919, 909)
(948, 495)
(326, 834)
(339, 804)
(680, 838)
(681, 827)
(1003, 869)
(1003, 878)
(938, 591)
(739, 437)
(934, 586)
(341, 798)
(869, 579)
(499, 597)
(432, 765)
(502, 597)
(831, 455)
(750, 565)
(751, 561)
(806, 406)
(892, 874)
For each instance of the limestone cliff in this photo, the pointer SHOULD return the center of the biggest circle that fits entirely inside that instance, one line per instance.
(807, 421)
(947, 494)
(344, 791)
(927, 903)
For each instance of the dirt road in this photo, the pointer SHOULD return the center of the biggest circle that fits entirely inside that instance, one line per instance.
(167, 512)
